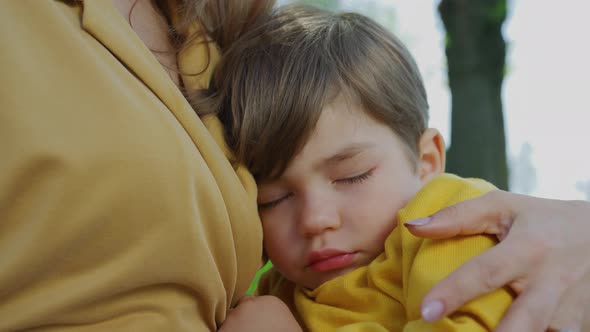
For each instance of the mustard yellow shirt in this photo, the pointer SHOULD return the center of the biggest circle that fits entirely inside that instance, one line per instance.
(119, 210)
(386, 295)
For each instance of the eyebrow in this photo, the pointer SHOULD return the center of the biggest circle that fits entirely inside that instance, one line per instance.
(347, 152)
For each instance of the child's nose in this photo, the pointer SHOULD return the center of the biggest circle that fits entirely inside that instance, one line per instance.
(318, 216)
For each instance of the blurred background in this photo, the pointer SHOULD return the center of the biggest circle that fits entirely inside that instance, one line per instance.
(508, 84)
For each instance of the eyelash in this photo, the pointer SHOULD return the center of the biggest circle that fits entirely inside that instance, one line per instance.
(271, 204)
(358, 178)
(351, 180)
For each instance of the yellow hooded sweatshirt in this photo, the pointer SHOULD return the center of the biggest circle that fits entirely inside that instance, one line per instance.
(386, 295)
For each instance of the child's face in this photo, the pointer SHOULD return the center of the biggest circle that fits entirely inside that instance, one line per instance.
(336, 203)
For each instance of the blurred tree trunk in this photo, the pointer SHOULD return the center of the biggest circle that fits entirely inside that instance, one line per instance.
(476, 52)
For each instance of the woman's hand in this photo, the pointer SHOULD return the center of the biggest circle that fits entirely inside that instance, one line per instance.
(260, 314)
(544, 256)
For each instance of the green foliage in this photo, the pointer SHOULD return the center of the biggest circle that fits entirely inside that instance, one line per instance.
(254, 283)
(447, 40)
(498, 12)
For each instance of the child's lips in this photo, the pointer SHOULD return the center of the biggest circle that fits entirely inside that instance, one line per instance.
(330, 259)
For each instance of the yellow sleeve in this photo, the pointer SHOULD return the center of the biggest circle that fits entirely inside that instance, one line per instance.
(425, 261)
(363, 327)
(435, 260)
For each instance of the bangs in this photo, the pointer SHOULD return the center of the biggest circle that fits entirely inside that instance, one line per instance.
(278, 81)
(279, 98)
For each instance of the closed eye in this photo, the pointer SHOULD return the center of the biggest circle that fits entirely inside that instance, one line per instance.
(273, 203)
(357, 178)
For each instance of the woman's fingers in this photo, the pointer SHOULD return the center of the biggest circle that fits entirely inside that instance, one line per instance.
(543, 256)
(534, 308)
(478, 276)
(489, 214)
(572, 313)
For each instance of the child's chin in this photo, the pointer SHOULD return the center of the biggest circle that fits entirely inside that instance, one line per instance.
(330, 276)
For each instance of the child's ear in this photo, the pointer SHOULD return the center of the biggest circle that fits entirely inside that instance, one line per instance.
(432, 155)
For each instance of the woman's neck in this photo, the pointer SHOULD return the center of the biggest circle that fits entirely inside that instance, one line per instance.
(151, 27)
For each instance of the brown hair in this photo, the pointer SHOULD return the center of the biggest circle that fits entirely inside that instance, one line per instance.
(221, 23)
(224, 21)
(272, 85)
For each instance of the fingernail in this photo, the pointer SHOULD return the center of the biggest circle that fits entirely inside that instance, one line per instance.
(432, 311)
(419, 222)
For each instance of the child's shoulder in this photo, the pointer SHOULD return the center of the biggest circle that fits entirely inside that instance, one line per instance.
(441, 192)
(456, 189)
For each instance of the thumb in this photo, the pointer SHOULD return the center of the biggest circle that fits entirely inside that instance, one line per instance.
(487, 214)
